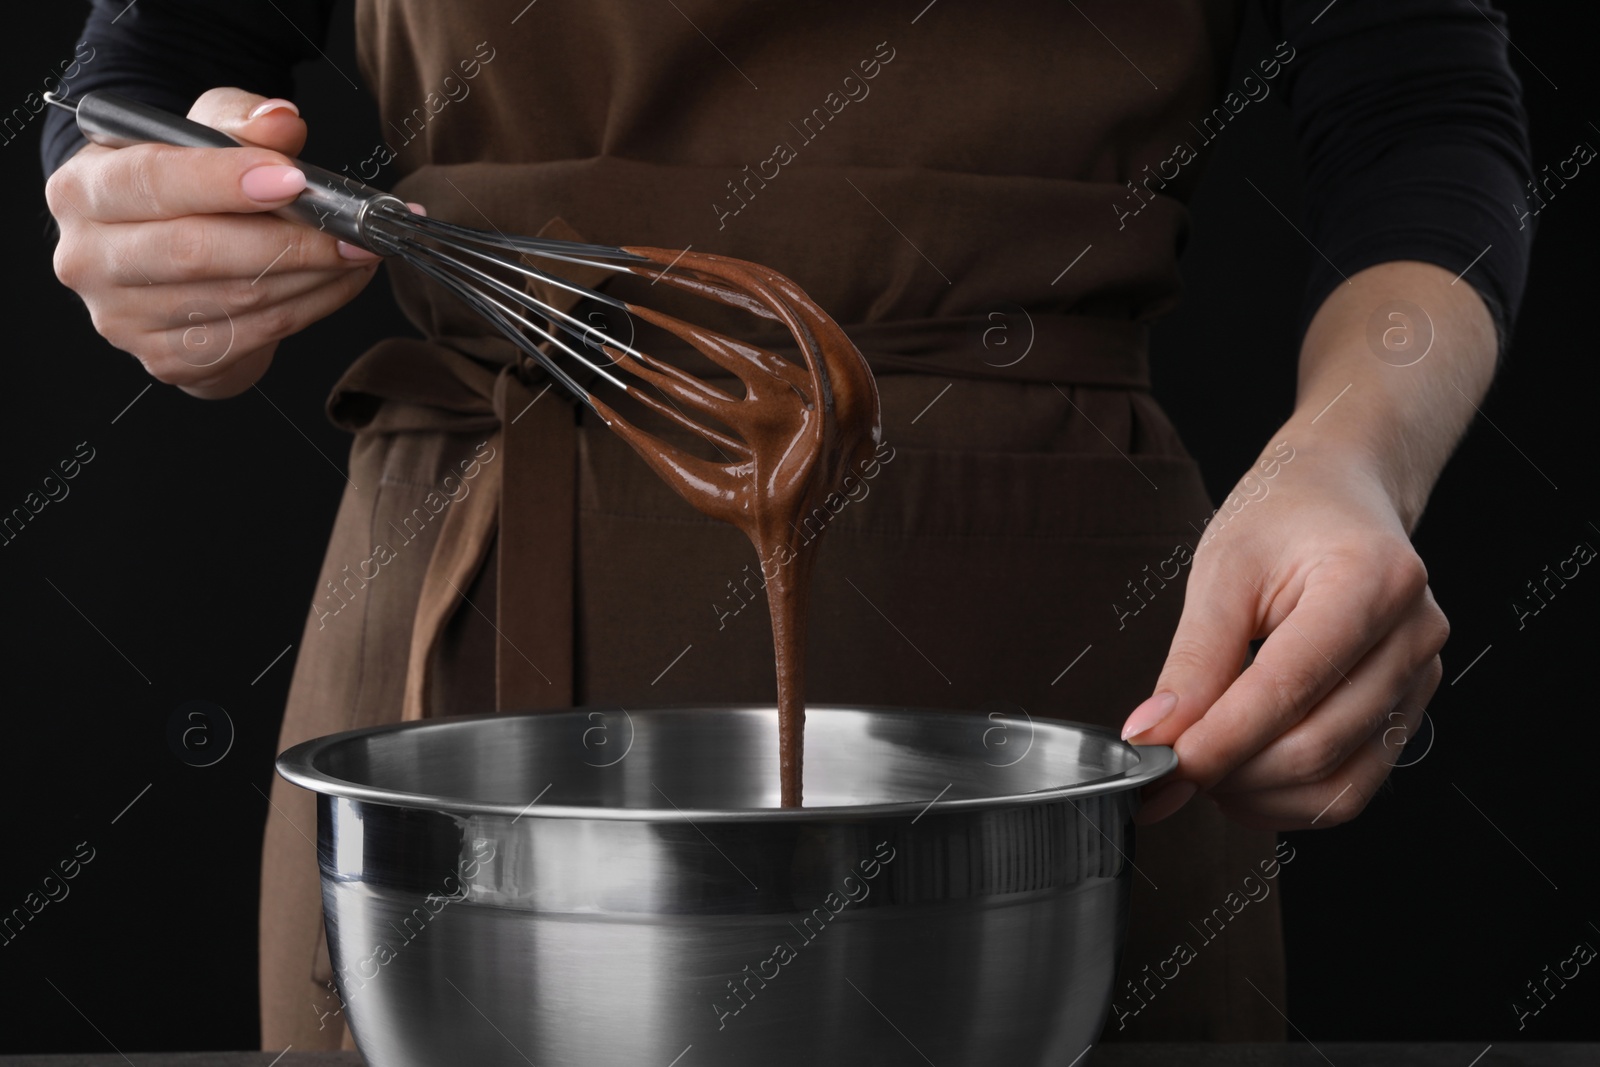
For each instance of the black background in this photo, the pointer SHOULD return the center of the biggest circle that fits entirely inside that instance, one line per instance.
(191, 541)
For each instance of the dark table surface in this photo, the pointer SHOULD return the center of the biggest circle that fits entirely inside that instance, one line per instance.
(1442, 1054)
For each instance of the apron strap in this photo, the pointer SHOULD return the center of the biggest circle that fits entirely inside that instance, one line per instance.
(536, 562)
(530, 501)
(457, 555)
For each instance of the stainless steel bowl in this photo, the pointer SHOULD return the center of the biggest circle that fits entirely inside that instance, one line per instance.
(608, 887)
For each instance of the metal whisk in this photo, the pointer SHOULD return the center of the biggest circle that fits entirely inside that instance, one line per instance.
(471, 263)
(455, 257)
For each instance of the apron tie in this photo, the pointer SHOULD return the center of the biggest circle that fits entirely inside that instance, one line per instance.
(528, 496)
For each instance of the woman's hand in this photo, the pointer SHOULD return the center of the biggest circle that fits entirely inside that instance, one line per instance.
(1313, 554)
(174, 253)
(1316, 561)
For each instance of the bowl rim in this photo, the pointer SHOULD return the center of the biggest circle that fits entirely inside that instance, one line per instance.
(298, 766)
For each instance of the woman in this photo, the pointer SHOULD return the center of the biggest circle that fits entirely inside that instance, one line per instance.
(931, 177)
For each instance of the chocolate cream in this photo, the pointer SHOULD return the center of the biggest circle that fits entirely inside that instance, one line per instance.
(799, 428)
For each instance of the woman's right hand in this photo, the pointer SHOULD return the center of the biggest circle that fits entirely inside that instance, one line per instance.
(174, 253)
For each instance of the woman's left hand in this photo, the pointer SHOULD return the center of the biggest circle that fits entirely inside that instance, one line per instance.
(1314, 557)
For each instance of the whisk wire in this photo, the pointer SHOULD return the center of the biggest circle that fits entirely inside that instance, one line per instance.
(498, 316)
(575, 327)
(607, 257)
(464, 238)
(428, 245)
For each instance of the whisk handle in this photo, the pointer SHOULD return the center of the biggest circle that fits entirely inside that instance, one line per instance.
(330, 201)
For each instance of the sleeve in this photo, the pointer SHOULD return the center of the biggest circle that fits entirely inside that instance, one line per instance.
(1414, 141)
(168, 52)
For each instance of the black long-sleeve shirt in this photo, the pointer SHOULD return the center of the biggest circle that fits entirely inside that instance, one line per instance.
(1408, 115)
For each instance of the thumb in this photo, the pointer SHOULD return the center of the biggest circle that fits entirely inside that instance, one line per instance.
(270, 123)
(1207, 652)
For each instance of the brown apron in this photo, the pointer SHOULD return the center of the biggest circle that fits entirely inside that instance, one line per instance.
(952, 189)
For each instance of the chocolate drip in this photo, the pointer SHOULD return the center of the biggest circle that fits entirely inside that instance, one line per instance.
(796, 432)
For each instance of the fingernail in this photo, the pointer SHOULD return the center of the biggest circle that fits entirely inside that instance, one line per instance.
(417, 209)
(356, 252)
(1165, 801)
(1149, 713)
(274, 105)
(273, 182)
